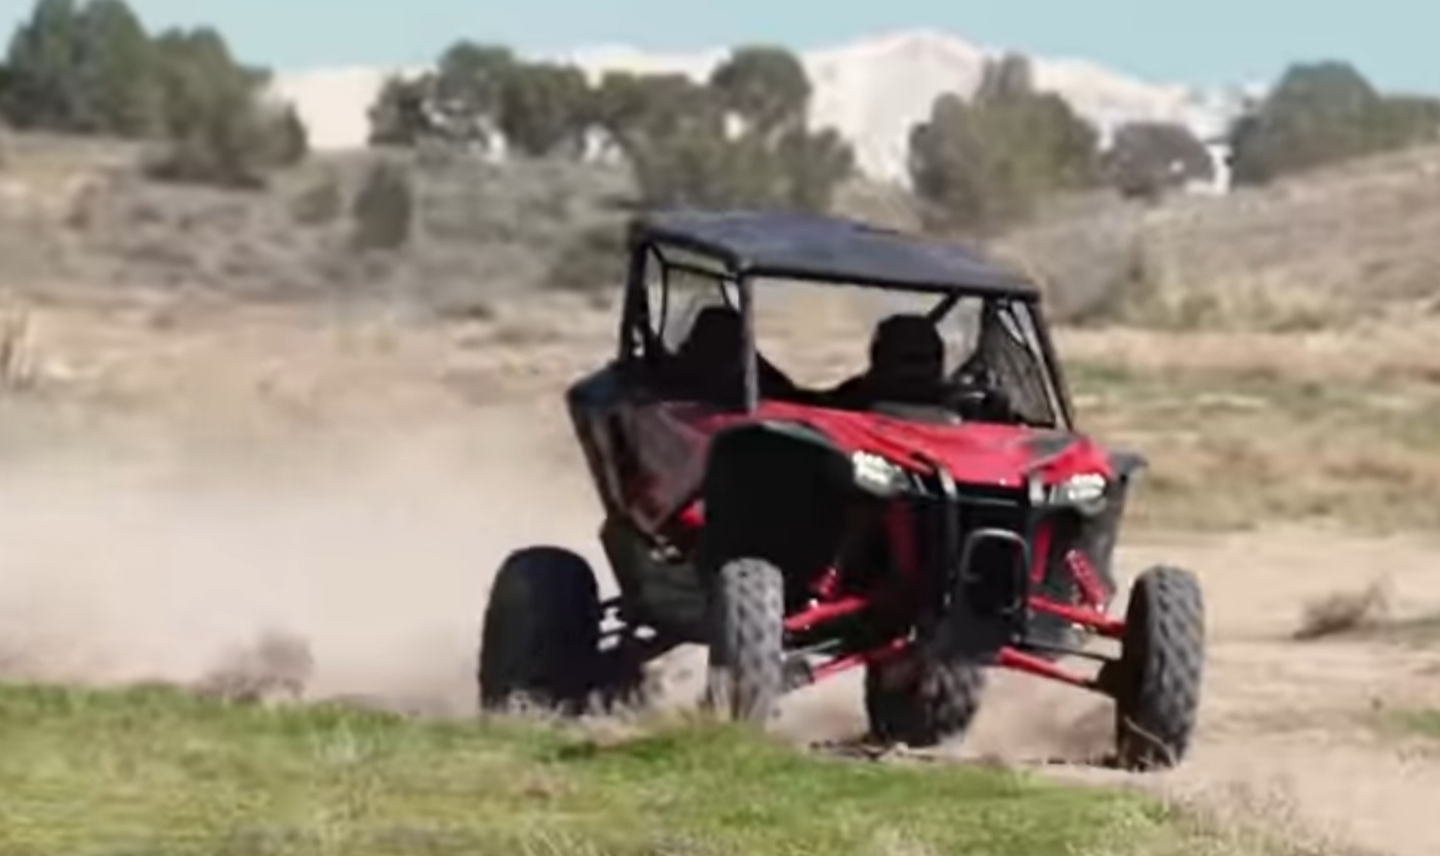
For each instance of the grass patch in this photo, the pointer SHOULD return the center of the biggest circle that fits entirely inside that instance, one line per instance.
(156, 772)
(1234, 448)
(1423, 723)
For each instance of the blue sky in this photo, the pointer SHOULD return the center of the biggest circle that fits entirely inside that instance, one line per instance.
(1200, 41)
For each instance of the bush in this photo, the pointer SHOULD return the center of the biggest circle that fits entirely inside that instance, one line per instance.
(592, 261)
(7, 84)
(543, 109)
(683, 144)
(675, 133)
(1324, 113)
(87, 68)
(320, 203)
(92, 68)
(397, 118)
(218, 129)
(288, 139)
(384, 209)
(1147, 159)
(983, 166)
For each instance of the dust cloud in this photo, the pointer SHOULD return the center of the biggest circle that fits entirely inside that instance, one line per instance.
(351, 564)
(364, 574)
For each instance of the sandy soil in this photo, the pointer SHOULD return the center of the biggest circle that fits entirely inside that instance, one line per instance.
(346, 492)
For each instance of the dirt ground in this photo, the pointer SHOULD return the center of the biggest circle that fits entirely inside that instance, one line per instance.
(186, 481)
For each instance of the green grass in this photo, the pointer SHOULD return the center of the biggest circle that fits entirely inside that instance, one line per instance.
(155, 772)
(1235, 449)
(1409, 722)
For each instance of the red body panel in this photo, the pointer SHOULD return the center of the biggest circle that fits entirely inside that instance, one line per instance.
(670, 444)
(974, 453)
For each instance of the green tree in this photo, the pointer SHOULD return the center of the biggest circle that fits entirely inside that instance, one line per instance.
(670, 129)
(7, 81)
(287, 138)
(398, 118)
(116, 81)
(639, 108)
(44, 90)
(766, 86)
(1317, 114)
(948, 165)
(986, 164)
(674, 133)
(472, 77)
(621, 99)
(479, 89)
(217, 130)
(83, 68)
(1146, 159)
(93, 68)
(544, 108)
(813, 165)
(1322, 113)
(688, 167)
(466, 98)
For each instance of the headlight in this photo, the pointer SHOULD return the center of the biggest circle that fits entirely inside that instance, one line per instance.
(1085, 491)
(877, 475)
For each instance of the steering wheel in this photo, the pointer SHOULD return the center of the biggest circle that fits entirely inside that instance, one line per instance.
(976, 396)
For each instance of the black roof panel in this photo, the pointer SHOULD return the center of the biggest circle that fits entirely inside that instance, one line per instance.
(795, 246)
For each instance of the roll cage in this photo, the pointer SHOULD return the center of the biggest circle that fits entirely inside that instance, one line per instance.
(1007, 305)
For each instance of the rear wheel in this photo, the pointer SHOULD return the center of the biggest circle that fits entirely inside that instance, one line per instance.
(1156, 682)
(746, 668)
(539, 645)
(924, 703)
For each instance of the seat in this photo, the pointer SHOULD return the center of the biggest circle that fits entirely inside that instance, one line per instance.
(709, 362)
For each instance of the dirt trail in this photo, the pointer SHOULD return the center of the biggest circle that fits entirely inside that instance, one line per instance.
(377, 551)
(1288, 732)
(1295, 724)
(376, 557)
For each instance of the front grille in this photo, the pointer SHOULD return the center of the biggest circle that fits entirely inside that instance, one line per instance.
(995, 572)
(993, 585)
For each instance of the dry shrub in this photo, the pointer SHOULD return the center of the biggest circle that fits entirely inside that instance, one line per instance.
(592, 260)
(1343, 612)
(277, 666)
(1241, 819)
(384, 209)
(320, 203)
(16, 371)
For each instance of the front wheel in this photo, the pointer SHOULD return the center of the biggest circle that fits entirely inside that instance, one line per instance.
(1156, 683)
(747, 656)
(540, 641)
(924, 703)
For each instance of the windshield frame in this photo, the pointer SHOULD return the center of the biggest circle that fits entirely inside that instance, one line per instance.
(641, 337)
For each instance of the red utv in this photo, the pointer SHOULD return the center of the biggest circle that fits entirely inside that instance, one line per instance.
(920, 520)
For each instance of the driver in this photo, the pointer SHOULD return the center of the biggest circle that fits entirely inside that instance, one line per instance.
(907, 366)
